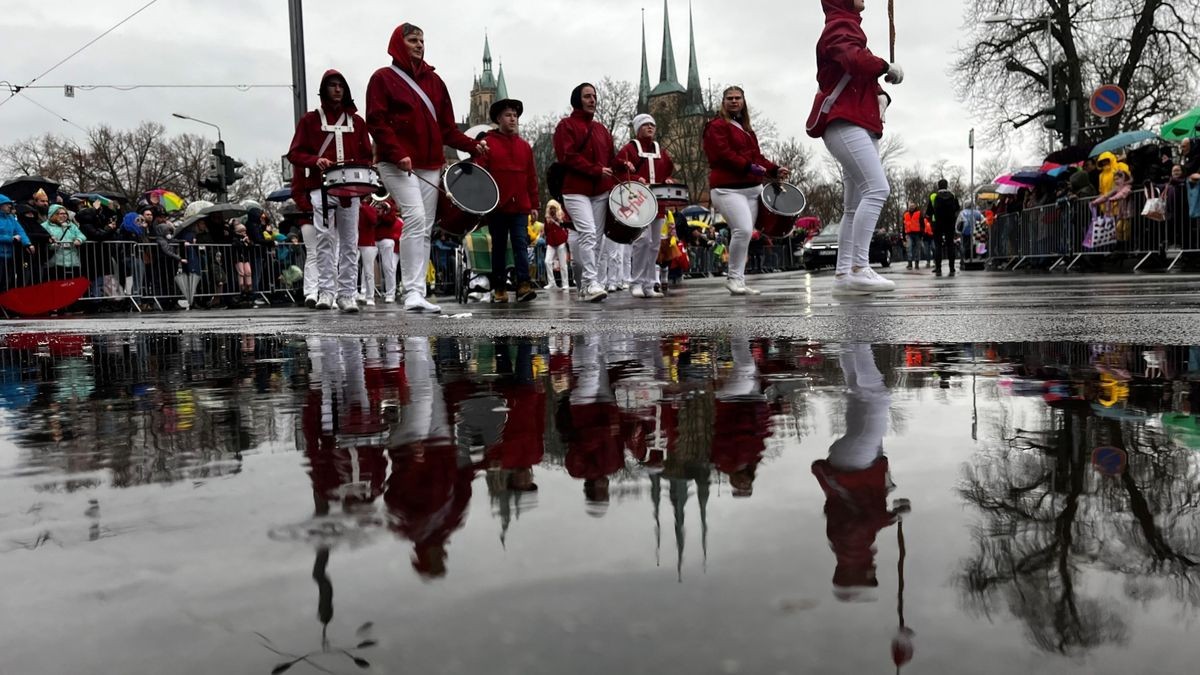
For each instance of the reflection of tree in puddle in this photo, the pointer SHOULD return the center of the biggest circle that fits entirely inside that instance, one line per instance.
(1051, 519)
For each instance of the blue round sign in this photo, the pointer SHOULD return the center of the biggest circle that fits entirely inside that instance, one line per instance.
(1109, 460)
(1108, 100)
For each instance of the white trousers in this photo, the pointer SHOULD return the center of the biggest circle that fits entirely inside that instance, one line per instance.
(424, 416)
(417, 201)
(865, 188)
(366, 276)
(337, 246)
(644, 256)
(740, 208)
(387, 265)
(867, 403)
(610, 257)
(309, 233)
(588, 214)
(742, 381)
(560, 253)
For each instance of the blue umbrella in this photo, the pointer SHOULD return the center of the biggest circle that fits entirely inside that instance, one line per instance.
(1122, 140)
(280, 195)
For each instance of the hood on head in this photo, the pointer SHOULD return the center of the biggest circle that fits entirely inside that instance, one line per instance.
(54, 208)
(398, 50)
(577, 95)
(1112, 161)
(347, 99)
(5, 200)
(833, 7)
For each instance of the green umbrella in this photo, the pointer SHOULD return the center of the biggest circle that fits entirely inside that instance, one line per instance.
(1186, 125)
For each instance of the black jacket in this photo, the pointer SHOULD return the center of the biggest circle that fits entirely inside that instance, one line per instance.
(943, 209)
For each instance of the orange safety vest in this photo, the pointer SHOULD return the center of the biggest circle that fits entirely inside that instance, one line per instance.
(912, 222)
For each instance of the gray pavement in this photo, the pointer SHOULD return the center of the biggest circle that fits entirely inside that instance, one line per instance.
(975, 306)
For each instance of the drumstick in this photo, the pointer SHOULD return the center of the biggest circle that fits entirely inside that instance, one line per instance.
(424, 180)
(892, 31)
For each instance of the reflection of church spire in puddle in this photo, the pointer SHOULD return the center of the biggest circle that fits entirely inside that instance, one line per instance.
(656, 496)
(679, 496)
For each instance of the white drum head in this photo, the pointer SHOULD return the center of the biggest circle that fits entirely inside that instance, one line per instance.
(632, 204)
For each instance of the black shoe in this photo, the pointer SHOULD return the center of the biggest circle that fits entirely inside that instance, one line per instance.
(951, 272)
(937, 272)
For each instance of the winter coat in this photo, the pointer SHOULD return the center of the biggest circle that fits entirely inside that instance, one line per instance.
(731, 151)
(308, 139)
(664, 166)
(10, 230)
(398, 119)
(66, 253)
(842, 49)
(510, 161)
(585, 162)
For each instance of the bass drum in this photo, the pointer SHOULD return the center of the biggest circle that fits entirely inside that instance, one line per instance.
(468, 194)
(779, 205)
(631, 208)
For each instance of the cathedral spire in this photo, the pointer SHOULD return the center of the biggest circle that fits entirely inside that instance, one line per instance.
(695, 94)
(668, 76)
(501, 85)
(643, 104)
(486, 79)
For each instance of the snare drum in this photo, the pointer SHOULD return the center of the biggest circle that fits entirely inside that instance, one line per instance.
(779, 205)
(468, 194)
(351, 180)
(631, 207)
(670, 196)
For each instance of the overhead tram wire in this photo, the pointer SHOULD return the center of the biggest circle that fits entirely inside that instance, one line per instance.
(91, 42)
(60, 117)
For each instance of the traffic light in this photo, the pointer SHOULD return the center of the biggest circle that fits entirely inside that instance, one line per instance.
(231, 174)
(1059, 121)
(214, 177)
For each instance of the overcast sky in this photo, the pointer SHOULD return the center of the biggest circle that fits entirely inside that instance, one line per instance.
(547, 46)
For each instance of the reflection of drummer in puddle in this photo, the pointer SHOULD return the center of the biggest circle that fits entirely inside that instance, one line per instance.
(652, 165)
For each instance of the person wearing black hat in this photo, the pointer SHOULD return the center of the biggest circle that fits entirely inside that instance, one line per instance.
(510, 161)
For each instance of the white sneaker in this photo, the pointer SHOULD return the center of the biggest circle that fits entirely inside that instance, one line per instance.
(324, 301)
(865, 280)
(638, 292)
(886, 284)
(415, 302)
(370, 302)
(736, 287)
(750, 291)
(624, 287)
(389, 299)
(565, 289)
(594, 293)
(651, 293)
(612, 288)
(360, 298)
(310, 301)
(842, 286)
(348, 304)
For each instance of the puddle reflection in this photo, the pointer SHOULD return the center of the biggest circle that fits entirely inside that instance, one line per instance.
(1053, 487)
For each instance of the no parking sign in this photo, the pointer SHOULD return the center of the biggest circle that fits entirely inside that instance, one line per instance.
(1108, 100)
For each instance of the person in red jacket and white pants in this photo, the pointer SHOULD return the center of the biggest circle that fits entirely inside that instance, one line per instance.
(848, 115)
(585, 147)
(651, 164)
(330, 135)
(411, 118)
(510, 161)
(737, 168)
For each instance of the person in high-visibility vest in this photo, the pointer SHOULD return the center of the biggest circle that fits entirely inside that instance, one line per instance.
(914, 234)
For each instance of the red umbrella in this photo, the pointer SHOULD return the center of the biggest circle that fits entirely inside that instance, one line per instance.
(58, 344)
(45, 297)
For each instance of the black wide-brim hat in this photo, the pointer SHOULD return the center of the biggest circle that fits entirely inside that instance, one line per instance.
(504, 104)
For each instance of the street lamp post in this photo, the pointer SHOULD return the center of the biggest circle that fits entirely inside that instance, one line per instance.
(1049, 20)
(185, 117)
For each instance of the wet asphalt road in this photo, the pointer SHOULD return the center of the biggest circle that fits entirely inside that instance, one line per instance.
(975, 306)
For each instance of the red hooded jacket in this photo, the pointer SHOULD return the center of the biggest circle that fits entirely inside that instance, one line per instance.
(664, 166)
(731, 151)
(309, 138)
(400, 122)
(510, 161)
(842, 49)
(585, 166)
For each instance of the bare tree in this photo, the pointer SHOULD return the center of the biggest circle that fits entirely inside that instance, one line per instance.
(615, 107)
(1145, 46)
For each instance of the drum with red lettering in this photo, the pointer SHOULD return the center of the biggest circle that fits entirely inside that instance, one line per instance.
(779, 205)
(468, 194)
(631, 207)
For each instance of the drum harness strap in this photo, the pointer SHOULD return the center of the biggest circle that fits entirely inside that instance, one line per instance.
(827, 104)
(335, 134)
(647, 155)
(418, 91)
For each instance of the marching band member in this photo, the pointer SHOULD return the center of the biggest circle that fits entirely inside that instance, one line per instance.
(585, 148)
(737, 168)
(848, 115)
(411, 118)
(510, 161)
(333, 134)
(652, 164)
